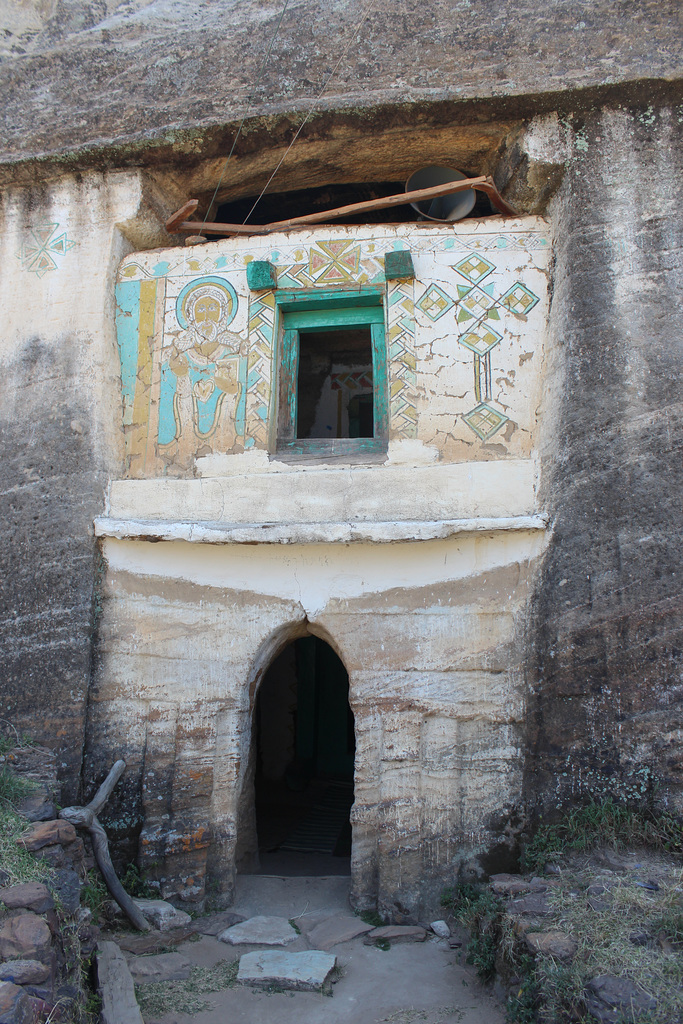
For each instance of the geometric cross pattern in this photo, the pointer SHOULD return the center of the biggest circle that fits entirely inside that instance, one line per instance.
(481, 340)
(519, 299)
(474, 267)
(435, 302)
(38, 255)
(484, 420)
(334, 262)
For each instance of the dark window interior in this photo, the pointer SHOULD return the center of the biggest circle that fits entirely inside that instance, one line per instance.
(334, 384)
(282, 205)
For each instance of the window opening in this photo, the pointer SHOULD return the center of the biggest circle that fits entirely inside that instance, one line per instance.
(334, 384)
(333, 375)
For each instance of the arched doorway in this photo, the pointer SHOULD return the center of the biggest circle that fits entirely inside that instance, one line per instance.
(304, 747)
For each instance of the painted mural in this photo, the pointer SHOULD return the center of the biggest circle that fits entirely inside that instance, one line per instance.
(464, 338)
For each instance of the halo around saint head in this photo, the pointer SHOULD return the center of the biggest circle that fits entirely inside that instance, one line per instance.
(214, 287)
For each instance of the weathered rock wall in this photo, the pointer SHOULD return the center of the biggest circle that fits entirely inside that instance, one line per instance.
(59, 444)
(605, 645)
(128, 74)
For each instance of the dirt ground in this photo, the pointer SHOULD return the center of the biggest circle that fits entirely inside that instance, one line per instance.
(416, 982)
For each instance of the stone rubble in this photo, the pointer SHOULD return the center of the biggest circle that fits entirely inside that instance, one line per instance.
(396, 933)
(162, 915)
(24, 972)
(441, 929)
(212, 924)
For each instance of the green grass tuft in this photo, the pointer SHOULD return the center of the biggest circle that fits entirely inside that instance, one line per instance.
(606, 823)
(20, 865)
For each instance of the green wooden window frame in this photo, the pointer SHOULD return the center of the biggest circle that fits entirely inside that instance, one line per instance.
(329, 312)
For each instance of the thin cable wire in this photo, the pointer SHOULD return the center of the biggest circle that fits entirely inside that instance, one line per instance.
(311, 111)
(244, 118)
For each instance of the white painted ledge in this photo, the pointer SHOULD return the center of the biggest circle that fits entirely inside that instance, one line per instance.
(310, 533)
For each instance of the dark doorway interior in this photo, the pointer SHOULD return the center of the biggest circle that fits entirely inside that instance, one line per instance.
(305, 757)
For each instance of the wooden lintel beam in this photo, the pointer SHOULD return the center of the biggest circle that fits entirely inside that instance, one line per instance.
(484, 183)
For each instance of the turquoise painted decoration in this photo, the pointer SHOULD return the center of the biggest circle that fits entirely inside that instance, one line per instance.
(127, 323)
(204, 365)
(261, 275)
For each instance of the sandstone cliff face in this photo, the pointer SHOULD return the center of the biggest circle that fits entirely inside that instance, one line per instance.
(604, 646)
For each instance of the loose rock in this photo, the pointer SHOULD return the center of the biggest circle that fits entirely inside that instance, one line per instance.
(336, 929)
(396, 933)
(24, 972)
(555, 944)
(215, 923)
(48, 833)
(535, 904)
(15, 1006)
(307, 971)
(67, 885)
(38, 806)
(441, 929)
(608, 996)
(29, 895)
(163, 967)
(508, 885)
(25, 937)
(163, 915)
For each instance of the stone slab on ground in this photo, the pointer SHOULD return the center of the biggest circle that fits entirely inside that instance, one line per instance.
(25, 937)
(335, 930)
(162, 915)
(396, 933)
(260, 931)
(115, 986)
(24, 972)
(212, 924)
(552, 943)
(162, 967)
(305, 972)
(15, 1006)
(27, 896)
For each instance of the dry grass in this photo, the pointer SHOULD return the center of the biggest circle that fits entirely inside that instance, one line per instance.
(160, 997)
(604, 945)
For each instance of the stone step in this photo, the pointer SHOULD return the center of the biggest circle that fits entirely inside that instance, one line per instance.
(305, 972)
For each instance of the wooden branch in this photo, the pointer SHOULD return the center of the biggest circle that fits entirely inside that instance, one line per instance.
(173, 223)
(86, 818)
(212, 228)
(401, 199)
(484, 183)
(107, 788)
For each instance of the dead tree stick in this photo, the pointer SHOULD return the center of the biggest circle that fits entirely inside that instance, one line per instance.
(86, 818)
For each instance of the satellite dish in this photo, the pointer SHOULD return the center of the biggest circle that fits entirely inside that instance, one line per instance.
(446, 208)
